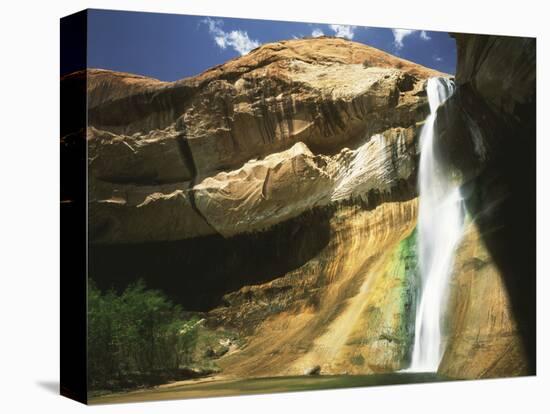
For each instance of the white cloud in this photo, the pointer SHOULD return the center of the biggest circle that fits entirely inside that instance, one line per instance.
(342, 30)
(317, 32)
(236, 39)
(424, 35)
(399, 35)
(438, 58)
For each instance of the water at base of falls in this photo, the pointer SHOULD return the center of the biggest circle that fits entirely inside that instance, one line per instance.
(440, 227)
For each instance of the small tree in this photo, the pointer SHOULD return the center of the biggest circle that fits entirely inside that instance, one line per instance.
(137, 332)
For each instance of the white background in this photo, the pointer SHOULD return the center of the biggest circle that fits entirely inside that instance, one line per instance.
(29, 209)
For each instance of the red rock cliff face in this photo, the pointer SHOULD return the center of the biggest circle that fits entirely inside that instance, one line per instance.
(277, 192)
(250, 143)
(270, 190)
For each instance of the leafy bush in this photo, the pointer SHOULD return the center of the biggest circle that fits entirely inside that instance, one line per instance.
(135, 335)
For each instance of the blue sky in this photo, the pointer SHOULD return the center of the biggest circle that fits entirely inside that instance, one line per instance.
(170, 47)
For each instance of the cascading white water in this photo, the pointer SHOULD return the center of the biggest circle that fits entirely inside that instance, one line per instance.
(440, 227)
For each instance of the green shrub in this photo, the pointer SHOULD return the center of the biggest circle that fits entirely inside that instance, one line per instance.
(137, 334)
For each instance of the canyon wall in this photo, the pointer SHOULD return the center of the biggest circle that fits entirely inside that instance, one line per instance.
(256, 141)
(276, 194)
(484, 340)
(488, 135)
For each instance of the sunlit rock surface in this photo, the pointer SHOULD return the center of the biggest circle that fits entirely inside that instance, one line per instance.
(308, 143)
(253, 142)
(346, 310)
(484, 340)
(276, 193)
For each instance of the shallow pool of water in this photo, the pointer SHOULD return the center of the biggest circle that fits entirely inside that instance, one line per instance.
(225, 387)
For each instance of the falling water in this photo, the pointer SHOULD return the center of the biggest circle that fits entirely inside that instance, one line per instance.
(440, 223)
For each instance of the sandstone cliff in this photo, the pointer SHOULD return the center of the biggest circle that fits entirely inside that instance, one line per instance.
(253, 142)
(488, 133)
(276, 193)
(484, 338)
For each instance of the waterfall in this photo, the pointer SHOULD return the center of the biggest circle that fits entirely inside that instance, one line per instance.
(440, 226)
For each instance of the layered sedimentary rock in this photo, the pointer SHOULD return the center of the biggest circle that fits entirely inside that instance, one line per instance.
(276, 193)
(295, 167)
(249, 143)
(484, 339)
(344, 310)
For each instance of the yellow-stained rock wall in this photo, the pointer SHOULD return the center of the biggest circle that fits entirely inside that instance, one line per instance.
(483, 341)
(348, 277)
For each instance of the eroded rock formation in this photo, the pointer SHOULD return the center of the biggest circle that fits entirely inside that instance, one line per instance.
(250, 143)
(276, 192)
(488, 134)
(344, 310)
(484, 338)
